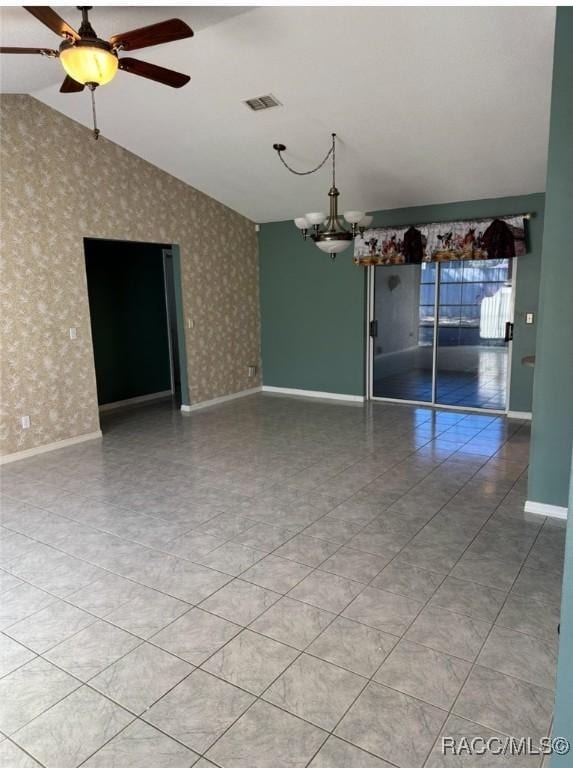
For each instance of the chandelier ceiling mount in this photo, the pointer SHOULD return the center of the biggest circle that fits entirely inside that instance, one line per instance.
(328, 231)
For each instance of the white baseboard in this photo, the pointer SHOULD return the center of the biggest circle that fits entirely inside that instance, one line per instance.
(10, 457)
(547, 510)
(313, 393)
(219, 400)
(135, 400)
(523, 415)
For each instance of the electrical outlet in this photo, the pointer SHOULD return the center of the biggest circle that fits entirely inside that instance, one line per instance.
(25, 421)
(73, 333)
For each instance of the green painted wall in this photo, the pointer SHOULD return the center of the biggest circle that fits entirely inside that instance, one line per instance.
(552, 428)
(312, 314)
(563, 725)
(550, 473)
(313, 310)
(128, 318)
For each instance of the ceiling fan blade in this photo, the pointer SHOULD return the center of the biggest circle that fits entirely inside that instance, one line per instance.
(153, 72)
(155, 34)
(51, 19)
(71, 86)
(43, 51)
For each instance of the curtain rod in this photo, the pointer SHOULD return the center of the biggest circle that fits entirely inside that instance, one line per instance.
(526, 216)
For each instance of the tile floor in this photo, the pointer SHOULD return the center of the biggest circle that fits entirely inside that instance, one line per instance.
(275, 582)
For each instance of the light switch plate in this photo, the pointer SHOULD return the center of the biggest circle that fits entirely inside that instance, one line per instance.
(73, 333)
(25, 421)
(529, 318)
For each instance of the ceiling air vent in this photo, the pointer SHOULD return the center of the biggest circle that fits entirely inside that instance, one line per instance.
(262, 102)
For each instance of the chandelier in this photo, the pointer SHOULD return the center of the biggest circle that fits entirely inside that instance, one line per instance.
(328, 231)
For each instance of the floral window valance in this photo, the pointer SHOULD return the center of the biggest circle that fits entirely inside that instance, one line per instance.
(501, 238)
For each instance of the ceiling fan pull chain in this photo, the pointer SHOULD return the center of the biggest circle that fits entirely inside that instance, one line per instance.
(96, 129)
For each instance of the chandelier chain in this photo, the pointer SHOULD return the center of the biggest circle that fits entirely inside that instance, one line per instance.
(330, 152)
(334, 160)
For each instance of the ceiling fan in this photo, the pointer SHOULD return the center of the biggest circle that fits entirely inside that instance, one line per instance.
(89, 60)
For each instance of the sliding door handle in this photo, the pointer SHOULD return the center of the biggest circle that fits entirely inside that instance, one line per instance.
(374, 328)
(508, 332)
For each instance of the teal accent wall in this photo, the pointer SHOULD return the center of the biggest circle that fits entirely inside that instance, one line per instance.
(128, 318)
(550, 472)
(563, 725)
(552, 429)
(312, 314)
(313, 310)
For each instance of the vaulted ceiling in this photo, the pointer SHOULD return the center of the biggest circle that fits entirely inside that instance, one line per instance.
(431, 104)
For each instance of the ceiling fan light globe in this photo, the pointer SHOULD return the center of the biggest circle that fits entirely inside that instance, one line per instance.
(333, 246)
(353, 217)
(365, 221)
(316, 218)
(301, 222)
(89, 64)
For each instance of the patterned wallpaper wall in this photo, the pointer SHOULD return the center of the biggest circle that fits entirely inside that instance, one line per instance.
(59, 186)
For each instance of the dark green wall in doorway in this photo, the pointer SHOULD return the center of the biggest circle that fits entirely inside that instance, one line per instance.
(313, 310)
(128, 318)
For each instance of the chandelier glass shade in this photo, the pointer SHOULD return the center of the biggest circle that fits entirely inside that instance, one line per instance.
(329, 231)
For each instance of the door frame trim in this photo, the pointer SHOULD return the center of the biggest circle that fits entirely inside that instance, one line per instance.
(168, 253)
(512, 320)
(369, 388)
(180, 316)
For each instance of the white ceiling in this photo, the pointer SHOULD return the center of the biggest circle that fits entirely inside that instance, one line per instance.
(431, 104)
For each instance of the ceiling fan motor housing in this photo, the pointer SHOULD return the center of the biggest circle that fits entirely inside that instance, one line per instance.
(88, 60)
(86, 29)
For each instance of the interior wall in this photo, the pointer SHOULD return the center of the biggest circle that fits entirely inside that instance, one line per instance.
(396, 299)
(563, 723)
(313, 310)
(312, 314)
(128, 315)
(552, 428)
(60, 186)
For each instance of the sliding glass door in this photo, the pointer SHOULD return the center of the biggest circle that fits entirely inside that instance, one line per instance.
(475, 305)
(440, 333)
(404, 318)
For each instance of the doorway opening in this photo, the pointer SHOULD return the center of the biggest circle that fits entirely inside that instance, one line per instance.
(134, 297)
(440, 333)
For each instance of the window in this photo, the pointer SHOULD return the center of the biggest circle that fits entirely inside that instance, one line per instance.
(463, 286)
